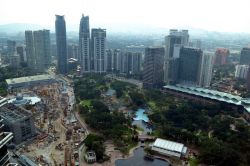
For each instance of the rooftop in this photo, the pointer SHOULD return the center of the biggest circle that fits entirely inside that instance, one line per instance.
(212, 94)
(13, 113)
(29, 79)
(169, 145)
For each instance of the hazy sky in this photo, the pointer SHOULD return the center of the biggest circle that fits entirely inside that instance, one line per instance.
(217, 15)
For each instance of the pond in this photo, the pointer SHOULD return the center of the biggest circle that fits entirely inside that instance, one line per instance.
(110, 92)
(138, 160)
(139, 115)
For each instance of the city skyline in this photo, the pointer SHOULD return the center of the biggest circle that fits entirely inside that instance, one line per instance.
(208, 15)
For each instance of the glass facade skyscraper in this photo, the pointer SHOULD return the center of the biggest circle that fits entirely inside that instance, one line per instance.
(84, 44)
(61, 44)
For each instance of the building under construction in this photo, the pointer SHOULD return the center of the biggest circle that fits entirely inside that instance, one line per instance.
(5, 138)
(18, 121)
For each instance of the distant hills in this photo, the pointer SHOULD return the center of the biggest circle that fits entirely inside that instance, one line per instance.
(123, 29)
(19, 27)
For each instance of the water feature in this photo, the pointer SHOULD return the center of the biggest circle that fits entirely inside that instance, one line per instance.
(110, 92)
(140, 115)
(138, 160)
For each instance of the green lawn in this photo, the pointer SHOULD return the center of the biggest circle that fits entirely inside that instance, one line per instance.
(85, 102)
(152, 105)
(193, 161)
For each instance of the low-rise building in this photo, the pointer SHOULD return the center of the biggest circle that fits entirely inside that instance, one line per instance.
(90, 157)
(30, 81)
(208, 96)
(169, 148)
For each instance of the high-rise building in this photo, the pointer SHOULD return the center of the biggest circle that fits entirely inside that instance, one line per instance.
(98, 50)
(195, 43)
(241, 71)
(248, 80)
(190, 67)
(131, 62)
(73, 51)
(207, 69)
(84, 44)
(221, 56)
(15, 61)
(136, 62)
(110, 56)
(173, 42)
(117, 60)
(245, 56)
(38, 49)
(21, 52)
(30, 49)
(42, 49)
(153, 67)
(61, 44)
(11, 47)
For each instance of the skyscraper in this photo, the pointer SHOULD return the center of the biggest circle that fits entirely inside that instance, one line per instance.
(153, 67)
(173, 42)
(84, 44)
(30, 49)
(38, 49)
(61, 44)
(190, 67)
(98, 50)
(42, 49)
(221, 56)
(245, 56)
(207, 69)
(21, 52)
(241, 71)
(73, 51)
(110, 56)
(11, 46)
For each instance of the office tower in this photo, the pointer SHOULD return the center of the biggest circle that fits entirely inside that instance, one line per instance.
(11, 47)
(153, 67)
(21, 52)
(73, 51)
(30, 49)
(173, 42)
(61, 44)
(241, 71)
(221, 56)
(84, 44)
(18, 121)
(207, 69)
(98, 50)
(42, 49)
(190, 67)
(245, 56)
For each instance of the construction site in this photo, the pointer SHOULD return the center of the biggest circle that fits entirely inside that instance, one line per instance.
(59, 133)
